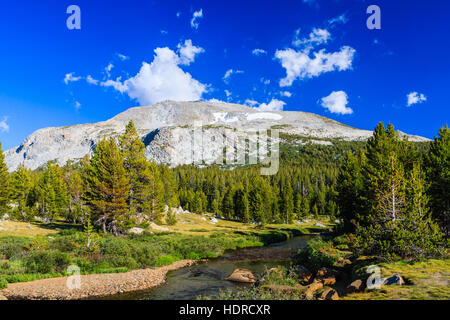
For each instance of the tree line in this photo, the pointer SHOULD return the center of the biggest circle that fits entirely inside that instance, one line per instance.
(384, 189)
(394, 198)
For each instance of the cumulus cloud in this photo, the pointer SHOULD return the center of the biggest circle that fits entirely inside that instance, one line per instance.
(274, 105)
(230, 72)
(71, 78)
(188, 52)
(336, 102)
(415, 97)
(259, 52)
(197, 15)
(285, 94)
(300, 65)
(4, 127)
(162, 79)
(316, 37)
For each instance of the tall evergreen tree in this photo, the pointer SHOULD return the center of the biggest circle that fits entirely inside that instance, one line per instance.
(52, 193)
(4, 184)
(20, 191)
(108, 187)
(437, 164)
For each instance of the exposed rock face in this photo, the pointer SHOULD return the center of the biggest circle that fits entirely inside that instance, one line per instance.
(167, 129)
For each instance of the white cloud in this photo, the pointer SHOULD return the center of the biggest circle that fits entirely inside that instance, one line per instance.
(230, 72)
(122, 57)
(316, 37)
(259, 52)
(178, 14)
(215, 101)
(188, 52)
(274, 105)
(91, 80)
(251, 103)
(286, 94)
(299, 64)
(164, 32)
(415, 97)
(77, 105)
(108, 69)
(197, 15)
(4, 127)
(265, 81)
(336, 102)
(160, 80)
(71, 78)
(339, 19)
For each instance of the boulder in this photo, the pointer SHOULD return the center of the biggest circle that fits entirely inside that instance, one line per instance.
(355, 286)
(328, 281)
(136, 230)
(3, 298)
(214, 220)
(343, 262)
(29, 227)
(154, 226)
(314, 286)
(319, 225)
(329, 294)
(242, 275)
(395, 279)
(203, 218)
(304, 275)
(326, 272)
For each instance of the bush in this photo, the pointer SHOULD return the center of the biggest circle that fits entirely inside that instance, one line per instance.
(318, 254)
(3, 283)
(11, 247)
(48, 261)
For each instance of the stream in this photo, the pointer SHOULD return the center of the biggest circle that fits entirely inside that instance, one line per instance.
(207, 278)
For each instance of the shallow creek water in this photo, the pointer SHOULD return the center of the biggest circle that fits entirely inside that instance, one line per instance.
(207, 278)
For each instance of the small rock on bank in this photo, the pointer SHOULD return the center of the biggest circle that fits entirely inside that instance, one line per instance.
(242, 275)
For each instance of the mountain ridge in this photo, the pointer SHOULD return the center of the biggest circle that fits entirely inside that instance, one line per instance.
(161, 127)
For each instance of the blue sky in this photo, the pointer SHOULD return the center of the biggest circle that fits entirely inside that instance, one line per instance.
(305, 55)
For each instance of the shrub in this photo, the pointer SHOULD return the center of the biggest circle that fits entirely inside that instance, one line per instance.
(11, 247)
(318, 254)
(3, 283)
(49, 261)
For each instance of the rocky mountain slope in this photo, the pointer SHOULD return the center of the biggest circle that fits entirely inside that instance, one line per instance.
(167, 129)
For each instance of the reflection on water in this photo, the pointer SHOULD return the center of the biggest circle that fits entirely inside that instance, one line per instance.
(208, 278)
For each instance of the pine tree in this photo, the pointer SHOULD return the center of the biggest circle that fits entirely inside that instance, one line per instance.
(156, 194)
(52, 193)
(228, 204)
(20, 191)
(108, 187)
(287, 202)
(349, 190)
(141, 176)
(74, 185)
(4, 184)
(437, 164)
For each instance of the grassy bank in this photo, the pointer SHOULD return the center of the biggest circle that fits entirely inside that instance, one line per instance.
(47, 250)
